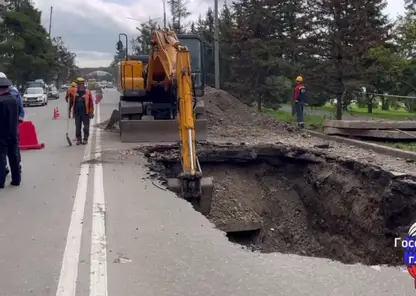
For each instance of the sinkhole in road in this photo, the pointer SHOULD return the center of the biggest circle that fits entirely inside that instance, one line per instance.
(273, 198)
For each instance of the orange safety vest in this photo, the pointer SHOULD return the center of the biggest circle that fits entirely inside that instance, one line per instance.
(69, 92)
(89, 101)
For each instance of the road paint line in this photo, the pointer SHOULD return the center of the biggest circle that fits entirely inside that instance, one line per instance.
(69, 270)
(98, 271)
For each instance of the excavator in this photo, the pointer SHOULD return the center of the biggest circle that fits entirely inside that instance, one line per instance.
(158, 103)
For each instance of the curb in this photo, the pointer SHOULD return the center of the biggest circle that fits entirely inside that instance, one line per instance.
(375, 147)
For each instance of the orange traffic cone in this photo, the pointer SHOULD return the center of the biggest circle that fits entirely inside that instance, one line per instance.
(56, 114)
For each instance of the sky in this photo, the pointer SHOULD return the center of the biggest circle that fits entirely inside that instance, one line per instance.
(90, 28)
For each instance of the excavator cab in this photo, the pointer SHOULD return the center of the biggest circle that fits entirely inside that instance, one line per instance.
(196, 47)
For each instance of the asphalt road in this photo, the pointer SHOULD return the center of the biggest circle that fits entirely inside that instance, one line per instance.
(86, 222)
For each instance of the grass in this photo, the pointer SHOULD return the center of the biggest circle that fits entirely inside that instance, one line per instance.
(400, 114)
(311, 121)
(403, 146)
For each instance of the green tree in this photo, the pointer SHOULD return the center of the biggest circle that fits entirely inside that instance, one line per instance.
(340, 34)
(27, 51)
(145, 36)
(179, 12)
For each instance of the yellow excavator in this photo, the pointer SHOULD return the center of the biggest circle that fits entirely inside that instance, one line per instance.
(158, 103)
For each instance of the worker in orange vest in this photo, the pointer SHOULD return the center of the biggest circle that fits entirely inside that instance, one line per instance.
(82, 110)
(300, 101)
(70, 93)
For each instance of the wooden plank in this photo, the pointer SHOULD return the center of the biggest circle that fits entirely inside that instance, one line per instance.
(364, 133)
(372, 124)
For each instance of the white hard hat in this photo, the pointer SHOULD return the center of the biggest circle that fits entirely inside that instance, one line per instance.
(2, 75)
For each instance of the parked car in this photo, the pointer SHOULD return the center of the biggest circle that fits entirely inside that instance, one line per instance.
(35, 96)
(53, 93)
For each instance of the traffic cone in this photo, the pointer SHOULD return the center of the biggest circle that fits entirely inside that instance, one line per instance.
(29, 137)
(54, 114)
(97, 99)
(57, 115)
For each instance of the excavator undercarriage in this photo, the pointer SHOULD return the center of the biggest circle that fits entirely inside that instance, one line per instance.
(159, 103)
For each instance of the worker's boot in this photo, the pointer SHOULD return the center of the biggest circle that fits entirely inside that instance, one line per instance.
(85, 142)
(79, 142)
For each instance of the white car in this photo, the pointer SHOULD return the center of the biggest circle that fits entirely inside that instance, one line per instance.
(35, 96)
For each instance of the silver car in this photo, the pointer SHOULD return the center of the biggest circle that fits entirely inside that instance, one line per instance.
(35, 96)
(53, 93)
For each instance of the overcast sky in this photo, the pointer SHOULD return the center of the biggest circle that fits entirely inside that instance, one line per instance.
(90, 28)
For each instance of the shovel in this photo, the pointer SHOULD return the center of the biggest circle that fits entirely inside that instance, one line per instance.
(68, 139)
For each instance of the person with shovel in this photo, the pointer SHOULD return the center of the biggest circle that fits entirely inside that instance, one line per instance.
(9, 137)
(82, 110)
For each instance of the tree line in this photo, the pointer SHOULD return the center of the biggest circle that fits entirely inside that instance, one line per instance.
(27, 51)
(348, 51)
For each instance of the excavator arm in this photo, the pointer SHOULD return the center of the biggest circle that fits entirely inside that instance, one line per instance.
(170, 65)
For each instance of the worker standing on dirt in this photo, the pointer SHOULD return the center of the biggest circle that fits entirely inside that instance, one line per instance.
(70, 93)
(9, 135)
(300, 101)
(83, 110)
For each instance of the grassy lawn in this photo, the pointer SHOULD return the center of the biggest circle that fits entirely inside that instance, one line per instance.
(311, 121)
(400, 114)
(403, 146)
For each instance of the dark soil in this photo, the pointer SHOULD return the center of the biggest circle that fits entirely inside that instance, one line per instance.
(228, 117)
(309, 204)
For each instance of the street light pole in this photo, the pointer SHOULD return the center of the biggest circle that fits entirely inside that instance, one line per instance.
(164, 14)
(216, 46)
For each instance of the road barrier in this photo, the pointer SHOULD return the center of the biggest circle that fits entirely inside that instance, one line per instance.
(29, 137)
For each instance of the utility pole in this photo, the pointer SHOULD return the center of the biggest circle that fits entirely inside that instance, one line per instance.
(164, 14)
(216, 46)
(50, 21)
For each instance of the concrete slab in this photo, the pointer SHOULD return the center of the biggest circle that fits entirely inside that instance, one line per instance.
(367, 133)
(373, 124)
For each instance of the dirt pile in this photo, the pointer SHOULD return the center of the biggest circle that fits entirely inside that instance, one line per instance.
(229, 118)
(309, 204)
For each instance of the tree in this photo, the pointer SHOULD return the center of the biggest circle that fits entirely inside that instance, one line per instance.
(341, 33)
(179, 12)
(27, 51)
(145, 36)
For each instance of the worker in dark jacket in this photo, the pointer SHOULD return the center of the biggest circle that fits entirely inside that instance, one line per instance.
(300, 100)
(83, 111)
(15, 92)
(9, 144)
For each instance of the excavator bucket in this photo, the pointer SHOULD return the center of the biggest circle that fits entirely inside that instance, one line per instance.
(201, 201)
(150, 130)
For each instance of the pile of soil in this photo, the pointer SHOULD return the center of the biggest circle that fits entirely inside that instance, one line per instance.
(230, 118)
(309, 204)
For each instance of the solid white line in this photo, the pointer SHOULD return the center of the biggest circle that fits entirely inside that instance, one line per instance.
(69, 270)
(98, 272)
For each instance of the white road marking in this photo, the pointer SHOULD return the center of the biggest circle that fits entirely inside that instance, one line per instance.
(69, 270)
(98, 271)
